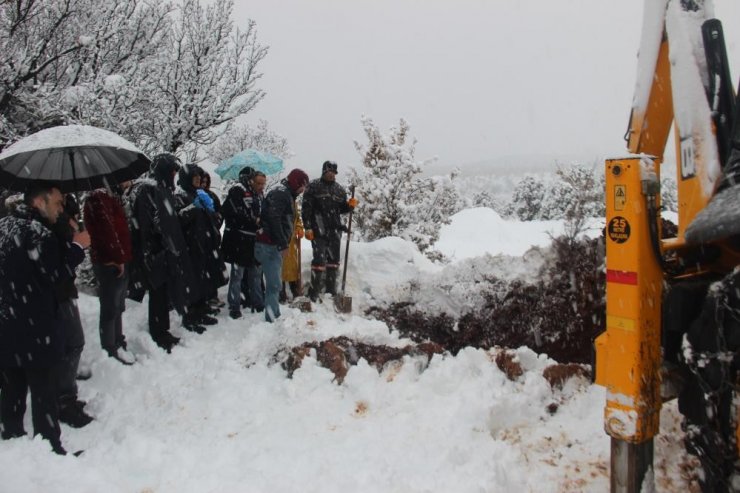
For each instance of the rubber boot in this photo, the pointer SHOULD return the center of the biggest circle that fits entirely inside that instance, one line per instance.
(331, 281)
(317, 282)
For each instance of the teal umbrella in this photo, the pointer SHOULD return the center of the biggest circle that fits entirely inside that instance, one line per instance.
(261, 161)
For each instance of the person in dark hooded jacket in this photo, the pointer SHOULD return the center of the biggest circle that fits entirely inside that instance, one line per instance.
(32, 341)
(241, 211)
(161, 263)
(197, 214)
(278, 214)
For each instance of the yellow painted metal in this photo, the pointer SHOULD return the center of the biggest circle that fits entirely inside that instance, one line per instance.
(648, 134)
(649, 131)
(691, 172)
(628, 354)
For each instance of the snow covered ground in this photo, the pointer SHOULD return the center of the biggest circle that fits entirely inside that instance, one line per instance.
(217, 415)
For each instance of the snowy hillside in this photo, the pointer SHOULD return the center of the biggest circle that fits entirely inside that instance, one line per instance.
(218, 415)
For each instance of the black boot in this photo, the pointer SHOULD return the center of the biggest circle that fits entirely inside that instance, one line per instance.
(166, 341)
(317, 282)
(72, 412)
(331, 281)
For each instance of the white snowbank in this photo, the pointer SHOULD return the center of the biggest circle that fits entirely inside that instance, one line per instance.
(217, 416)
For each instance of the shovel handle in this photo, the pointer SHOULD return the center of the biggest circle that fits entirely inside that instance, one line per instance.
(349, 234)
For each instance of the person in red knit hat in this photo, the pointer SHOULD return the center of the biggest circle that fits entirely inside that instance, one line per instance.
(276, 221)
(110, 252)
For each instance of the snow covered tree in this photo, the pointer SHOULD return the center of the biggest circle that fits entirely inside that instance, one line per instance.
(395, 200)
(110, 80)
(575, 192)
(241, 137)
(206, 78)
(669, 193)
(484, 199)
(34, 35)
(526, 202)
(167, 78)
(63, 61)
(578, 191)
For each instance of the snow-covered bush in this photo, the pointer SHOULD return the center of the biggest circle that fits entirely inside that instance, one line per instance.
(395, 200)
(558, 312)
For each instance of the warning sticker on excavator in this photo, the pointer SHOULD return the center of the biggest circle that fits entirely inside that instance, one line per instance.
(620, 197)
(618, 230)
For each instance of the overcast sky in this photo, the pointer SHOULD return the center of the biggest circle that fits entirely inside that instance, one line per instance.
(477, 80)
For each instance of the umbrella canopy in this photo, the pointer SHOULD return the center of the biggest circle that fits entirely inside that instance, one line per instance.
(77, 157)
(261, 161)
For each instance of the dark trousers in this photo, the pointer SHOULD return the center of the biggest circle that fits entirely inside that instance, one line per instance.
(327, 249)
(74, 342)
(159, 312)
(44, 408)
(112, 297)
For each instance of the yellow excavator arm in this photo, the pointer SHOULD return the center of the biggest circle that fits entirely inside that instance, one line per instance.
(657, 287)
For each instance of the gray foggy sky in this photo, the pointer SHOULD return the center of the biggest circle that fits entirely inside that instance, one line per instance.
(477, 80)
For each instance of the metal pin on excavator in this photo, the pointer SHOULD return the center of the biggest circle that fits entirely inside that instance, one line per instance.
(671, 324)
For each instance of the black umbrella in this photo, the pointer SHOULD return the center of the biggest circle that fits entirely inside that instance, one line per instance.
(76, 157)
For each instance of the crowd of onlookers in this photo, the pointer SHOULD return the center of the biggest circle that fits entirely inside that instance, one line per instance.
(148, 236)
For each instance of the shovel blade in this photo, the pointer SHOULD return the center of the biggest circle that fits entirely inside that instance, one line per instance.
(343, 303)
(302, 303)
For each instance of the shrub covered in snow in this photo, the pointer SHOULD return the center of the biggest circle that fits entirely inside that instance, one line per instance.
(559, 313)
(396, 200)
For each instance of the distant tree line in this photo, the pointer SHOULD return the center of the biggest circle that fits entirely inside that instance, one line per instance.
(577, 190)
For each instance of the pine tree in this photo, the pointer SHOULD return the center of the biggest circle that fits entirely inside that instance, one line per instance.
(395, 200)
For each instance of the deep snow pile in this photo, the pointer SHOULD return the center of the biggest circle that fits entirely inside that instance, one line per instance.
(216, 415)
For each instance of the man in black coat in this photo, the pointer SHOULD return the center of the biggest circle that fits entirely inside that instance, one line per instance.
(197, 215)
(31, 332)
(241, 212)
(161, 262)
(66, 229)
(278, 213)
(323, 203)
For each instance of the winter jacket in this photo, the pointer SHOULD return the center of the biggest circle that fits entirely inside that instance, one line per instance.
(105, 219)
(201, 235)
(323, 202)
(292, 261)
(65, 288)
(4, 195)
(160, 254)
(31, 265)
(217, 207)
(277, 217)
(241, 210)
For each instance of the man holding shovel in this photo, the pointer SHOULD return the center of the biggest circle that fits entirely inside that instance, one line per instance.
(324, 201)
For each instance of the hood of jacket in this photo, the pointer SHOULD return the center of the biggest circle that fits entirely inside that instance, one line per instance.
(162, 168)
(186, 175)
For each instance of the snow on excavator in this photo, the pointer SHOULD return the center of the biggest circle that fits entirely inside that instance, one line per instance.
(673, 304)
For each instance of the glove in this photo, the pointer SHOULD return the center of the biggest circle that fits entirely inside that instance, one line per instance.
(203, 201)
(309, 235)
(299, 232)
(352, 202)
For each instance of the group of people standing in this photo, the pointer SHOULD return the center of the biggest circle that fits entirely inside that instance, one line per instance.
(146, 236)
